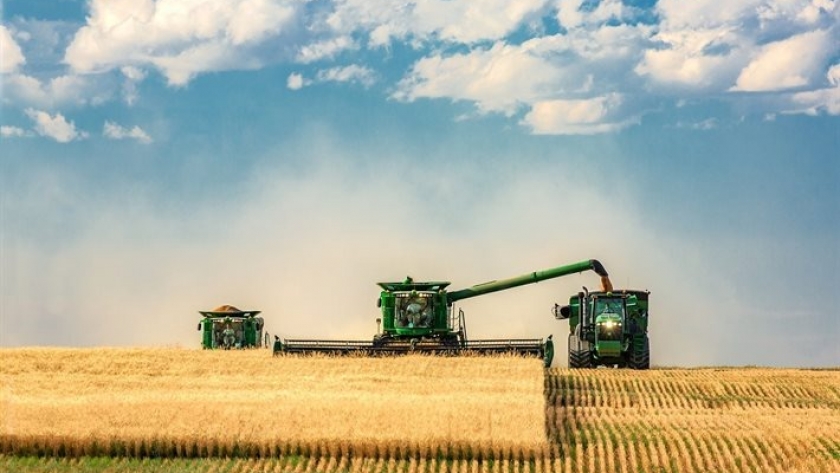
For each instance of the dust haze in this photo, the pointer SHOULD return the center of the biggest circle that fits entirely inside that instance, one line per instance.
(307, 247)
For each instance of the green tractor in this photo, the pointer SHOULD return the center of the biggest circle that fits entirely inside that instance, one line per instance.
(420, 317)
(607, 329)
(227, 327)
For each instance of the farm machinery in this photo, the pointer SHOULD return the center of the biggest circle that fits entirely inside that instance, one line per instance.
(420, 317)
(227, 327)
(607, 328)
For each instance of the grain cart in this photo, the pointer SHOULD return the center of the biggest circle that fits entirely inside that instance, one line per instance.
(607, 329)
(227, 327)
(420, 317)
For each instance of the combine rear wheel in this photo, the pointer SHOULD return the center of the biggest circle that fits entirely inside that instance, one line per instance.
(640, 355)
(579, 354)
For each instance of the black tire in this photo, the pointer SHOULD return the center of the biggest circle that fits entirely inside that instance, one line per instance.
(579, 357)
(640, 353)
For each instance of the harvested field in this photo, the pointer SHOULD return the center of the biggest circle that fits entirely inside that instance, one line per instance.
(141, 410)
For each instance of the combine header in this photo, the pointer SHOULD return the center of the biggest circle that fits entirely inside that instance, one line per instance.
(419, 317)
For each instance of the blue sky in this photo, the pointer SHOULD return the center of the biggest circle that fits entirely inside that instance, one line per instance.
(160, 158)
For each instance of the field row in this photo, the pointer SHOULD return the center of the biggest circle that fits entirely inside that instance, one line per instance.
(746, 420)
(291, 464)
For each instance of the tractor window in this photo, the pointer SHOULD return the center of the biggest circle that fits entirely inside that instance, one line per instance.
(608, 306)
(413, 310)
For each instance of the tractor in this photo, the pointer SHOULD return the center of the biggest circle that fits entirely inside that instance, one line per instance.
(607, 328)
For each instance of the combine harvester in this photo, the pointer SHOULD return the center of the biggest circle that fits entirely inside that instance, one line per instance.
(419, 317)
(227, 327)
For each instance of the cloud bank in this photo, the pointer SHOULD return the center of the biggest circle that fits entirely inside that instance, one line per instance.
(536, 62)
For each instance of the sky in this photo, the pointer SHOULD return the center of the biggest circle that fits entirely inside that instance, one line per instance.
(158, 158)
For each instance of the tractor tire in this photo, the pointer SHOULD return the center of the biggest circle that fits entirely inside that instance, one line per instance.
(579, 357)
(640, 354)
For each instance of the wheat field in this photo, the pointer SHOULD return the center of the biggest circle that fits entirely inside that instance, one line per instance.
(247, 403)
(155, 410)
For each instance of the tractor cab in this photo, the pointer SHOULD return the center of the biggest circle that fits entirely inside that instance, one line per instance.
(414, 309)
(609, 318)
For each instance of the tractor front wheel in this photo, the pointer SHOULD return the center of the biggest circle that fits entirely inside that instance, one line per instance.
(579, 355)
(640, 354)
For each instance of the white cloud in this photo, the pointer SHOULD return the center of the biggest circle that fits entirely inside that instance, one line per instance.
(55, 127)
(11, 56)
(814, 101)
(707, 124)
(571, 117)
(133, 76)
(325, 49)
(739, 45)
(498, 79)
(785, 64)
(117, 132)
(180, 37)
(12, 132)
(351, 73)
(704, 14)
(133, 73)
(500, 56)
(833, 75)
(296, 81)
(423, 20)
(57, 91)
(685, 59)
(570, 13)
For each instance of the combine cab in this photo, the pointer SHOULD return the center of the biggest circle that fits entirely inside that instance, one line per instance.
(420, 317)
(228, 328)
(608, 329)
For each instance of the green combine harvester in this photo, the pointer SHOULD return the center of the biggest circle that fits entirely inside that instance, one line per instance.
(607, 328)
(227, 327)
(420, 317)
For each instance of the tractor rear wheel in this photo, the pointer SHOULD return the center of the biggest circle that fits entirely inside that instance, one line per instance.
(579, 355)
(640, 354)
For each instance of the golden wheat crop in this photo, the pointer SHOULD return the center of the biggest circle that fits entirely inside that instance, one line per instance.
(179, 402)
